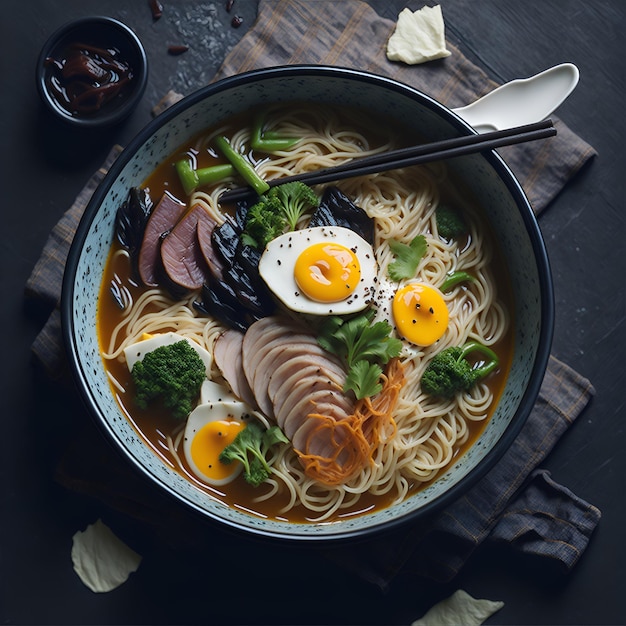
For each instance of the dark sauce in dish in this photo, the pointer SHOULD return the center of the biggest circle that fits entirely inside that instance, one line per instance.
(86, 78)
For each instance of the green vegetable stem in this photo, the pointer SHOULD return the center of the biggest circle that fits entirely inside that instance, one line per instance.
(187, 175)
(242, 165)
(455, 278)
(268, 141)
(193, 179)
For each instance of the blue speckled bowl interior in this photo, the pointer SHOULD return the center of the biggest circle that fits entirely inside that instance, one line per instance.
(488, 178)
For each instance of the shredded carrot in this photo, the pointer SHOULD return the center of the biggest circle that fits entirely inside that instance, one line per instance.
(354, 439)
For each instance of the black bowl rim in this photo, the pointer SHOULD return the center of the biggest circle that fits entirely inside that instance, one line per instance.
(119, 113)
(546, 293)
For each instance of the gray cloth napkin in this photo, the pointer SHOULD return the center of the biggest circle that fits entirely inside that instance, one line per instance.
(351, 34)
(516, 502)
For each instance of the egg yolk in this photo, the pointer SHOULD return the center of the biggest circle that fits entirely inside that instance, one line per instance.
(327, 272)
(208, 444)
(420, 313)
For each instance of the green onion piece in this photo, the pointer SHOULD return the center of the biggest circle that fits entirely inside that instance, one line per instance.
(270, 141)
(214, 174)
(188, 176)
(454, 279)
(475, 346)
(256, 134)
(274, 145)
(242, 166)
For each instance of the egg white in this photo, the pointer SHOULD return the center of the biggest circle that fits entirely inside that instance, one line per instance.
(136, 351)
(276, 267)
(202, 415)
(383, 306)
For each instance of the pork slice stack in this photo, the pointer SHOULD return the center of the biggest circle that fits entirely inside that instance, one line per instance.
(292, 377)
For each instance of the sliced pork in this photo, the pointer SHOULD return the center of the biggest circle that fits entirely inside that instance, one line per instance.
(291, 378)
(181, 256)
(206, 226)
(228, 358)
(162, 220)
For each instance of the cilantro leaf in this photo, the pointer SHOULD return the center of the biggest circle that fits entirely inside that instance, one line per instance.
(360, 344)
(364, 379)
(368, 343)
(407, 256)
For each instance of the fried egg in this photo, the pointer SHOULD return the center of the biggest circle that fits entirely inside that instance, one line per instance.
(212, 392)
(397, 303)
(420, 313)
(325, 270)
(212, 425)
(210, 428)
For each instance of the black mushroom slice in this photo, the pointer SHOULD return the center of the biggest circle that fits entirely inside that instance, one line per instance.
(238, 275)
(225, 238)
(336, 209)
(162, 220)
(130, 224)
(235, 292)
(241, 213)
(219, 300)
(251, 289)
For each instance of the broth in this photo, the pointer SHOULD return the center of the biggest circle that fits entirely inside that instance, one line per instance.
(155, 425)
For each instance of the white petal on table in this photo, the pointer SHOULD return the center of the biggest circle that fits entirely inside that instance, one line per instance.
(102, 560)
(418, 37)
(459, 608)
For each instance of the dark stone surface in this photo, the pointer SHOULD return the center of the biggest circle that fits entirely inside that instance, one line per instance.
(42, 169)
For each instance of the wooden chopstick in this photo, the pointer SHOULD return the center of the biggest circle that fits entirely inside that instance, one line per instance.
(413, 155)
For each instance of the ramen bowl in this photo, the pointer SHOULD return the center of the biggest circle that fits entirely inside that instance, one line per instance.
(486, 176)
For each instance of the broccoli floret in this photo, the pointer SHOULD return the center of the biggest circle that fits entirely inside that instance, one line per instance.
(279, 208)
(450, 224)
(172, 374)
(264, 221)
(295, 198)
(250, 447)
(450, 372)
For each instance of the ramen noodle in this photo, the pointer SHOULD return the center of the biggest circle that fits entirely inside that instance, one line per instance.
(426, 434)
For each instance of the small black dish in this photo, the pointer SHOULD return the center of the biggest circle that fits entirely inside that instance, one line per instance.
(92, 72)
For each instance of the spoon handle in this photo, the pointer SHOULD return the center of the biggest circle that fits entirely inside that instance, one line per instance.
(521, 101)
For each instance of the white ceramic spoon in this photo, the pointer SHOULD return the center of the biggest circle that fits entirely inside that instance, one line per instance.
(521, 101)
